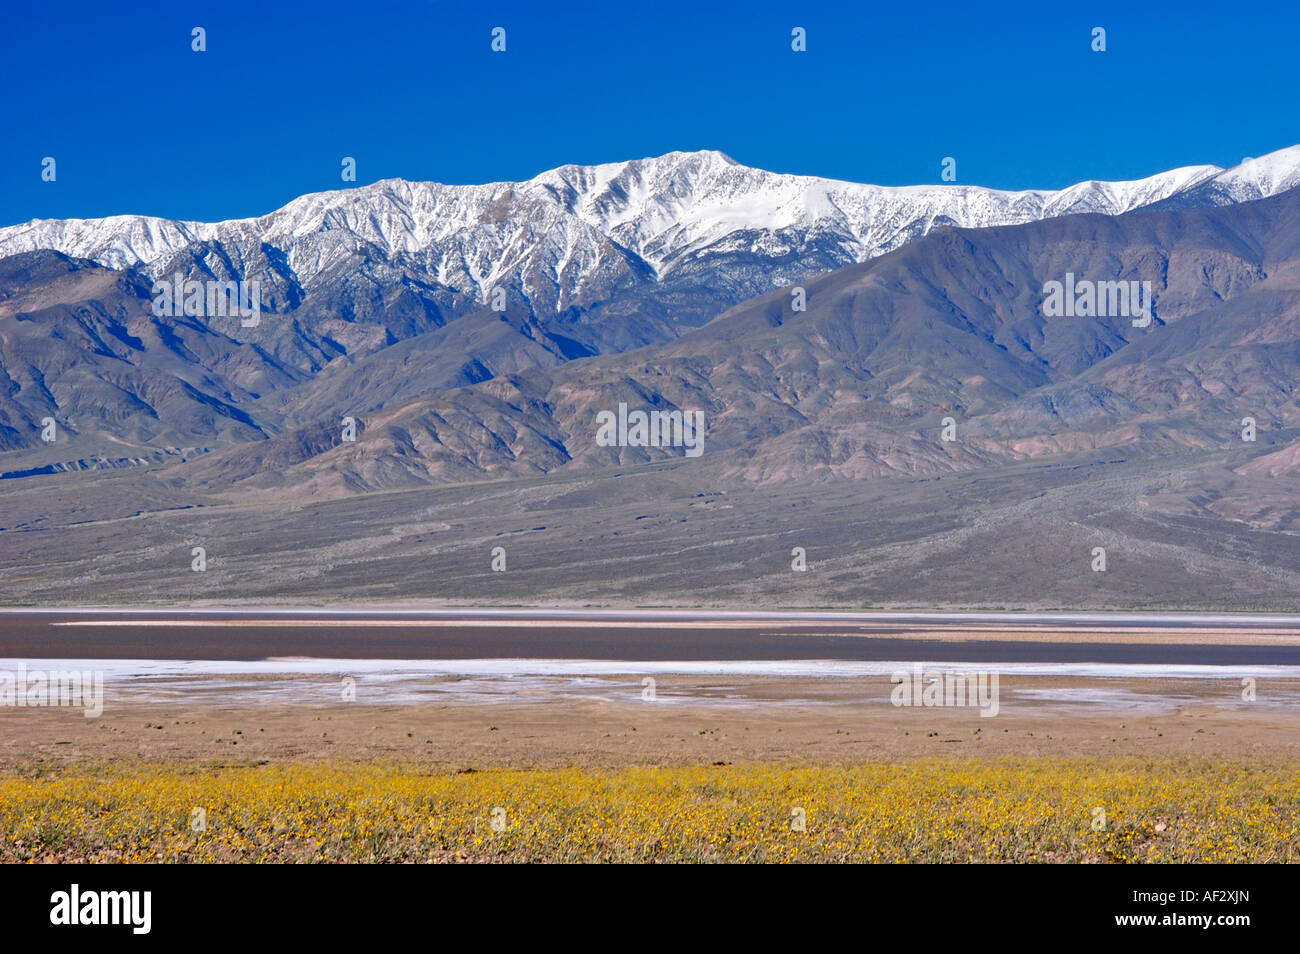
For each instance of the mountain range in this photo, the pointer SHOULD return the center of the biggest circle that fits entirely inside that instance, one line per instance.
(669, 284)
(592, 259)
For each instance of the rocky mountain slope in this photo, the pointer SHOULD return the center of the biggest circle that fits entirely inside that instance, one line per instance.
(590, 259)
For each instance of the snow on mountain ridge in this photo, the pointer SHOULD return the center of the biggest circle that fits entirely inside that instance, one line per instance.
(551, 234)
(1267, 175)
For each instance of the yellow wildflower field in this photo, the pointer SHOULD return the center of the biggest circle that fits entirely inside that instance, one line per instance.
(1019, 810)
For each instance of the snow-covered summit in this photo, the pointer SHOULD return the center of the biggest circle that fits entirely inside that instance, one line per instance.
(550, 235)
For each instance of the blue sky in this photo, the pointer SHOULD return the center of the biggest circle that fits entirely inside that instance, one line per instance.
(138, 122)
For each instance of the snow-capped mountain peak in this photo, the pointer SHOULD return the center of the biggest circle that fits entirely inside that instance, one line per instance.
(575, 227)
